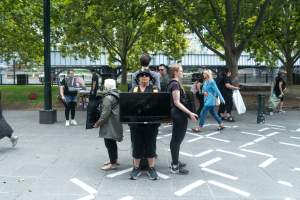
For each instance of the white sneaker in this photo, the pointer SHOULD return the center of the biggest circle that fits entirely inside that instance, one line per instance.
(14, 140)
(67, 122)
(73, 122)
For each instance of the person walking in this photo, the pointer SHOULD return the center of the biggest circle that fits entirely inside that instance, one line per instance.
(179, 115)
(68, 92)
(110, 126)
(279, 89)
(143, 136)
(211, 92)
(226, 88)
(6, 130)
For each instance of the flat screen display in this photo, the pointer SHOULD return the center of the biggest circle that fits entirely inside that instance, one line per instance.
(145, 107)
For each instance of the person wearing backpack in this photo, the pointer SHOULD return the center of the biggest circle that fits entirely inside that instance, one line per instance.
(110, 127)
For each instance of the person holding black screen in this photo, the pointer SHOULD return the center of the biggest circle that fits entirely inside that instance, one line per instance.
(179, 114)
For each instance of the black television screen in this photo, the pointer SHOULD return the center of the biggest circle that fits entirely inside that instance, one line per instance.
(144, 107)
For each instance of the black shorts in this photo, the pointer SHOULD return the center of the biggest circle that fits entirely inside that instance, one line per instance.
(143, 139)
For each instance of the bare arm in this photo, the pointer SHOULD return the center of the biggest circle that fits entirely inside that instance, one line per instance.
(61, 91)
(229, 86)
(178, 104)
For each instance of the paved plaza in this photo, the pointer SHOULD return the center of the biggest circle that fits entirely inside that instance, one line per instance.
(244, 161)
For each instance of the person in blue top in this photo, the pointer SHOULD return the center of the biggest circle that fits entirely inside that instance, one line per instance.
(211, 92)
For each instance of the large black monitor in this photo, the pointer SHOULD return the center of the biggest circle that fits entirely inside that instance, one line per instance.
(144, 107)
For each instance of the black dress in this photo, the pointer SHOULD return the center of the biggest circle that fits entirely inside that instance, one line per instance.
(5, 128)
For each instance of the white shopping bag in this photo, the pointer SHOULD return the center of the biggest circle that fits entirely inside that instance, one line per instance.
(238, 102)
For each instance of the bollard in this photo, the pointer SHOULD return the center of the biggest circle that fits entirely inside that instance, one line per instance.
(260, 109)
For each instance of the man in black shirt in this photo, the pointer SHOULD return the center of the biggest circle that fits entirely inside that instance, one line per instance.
(279, 88)
(95, 85)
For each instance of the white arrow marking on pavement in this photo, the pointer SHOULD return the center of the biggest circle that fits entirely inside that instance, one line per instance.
(231, 153)
(247, 144)
(119, 173)
(290, 144)
(86, 188)
(275, 125)
(230, 188)
(213, 133)
(272, 134)
(218, 139)
(193, 134)
(263, 129)
(257, 152)
(204, 153)
(220, 174)
(127, 198)
(259, 139)
(267, 162)
(285, 183)
(195, 139)
(186, 154)
(210, 162)
(189, 188)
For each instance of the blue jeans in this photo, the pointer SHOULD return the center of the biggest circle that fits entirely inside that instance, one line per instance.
(212, 111)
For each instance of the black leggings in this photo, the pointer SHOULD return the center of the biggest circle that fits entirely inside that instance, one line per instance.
(227, 106)
(180, 122)
(112, 149)
(70, 107)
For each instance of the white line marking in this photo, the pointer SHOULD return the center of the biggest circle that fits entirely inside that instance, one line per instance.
(167, 135)
(220, 174)
(285, 183)
(257, 152)
(272, 134)
(166, 126)
(163, 176)
(204, 153)
(210, 162)
(186, 154)
(218, 139)
(267, 162)
(127, 130)
(119, 173)
(289, 198)
(296, 169)
(89, 197)
(290, 144)
(231, 153)
(263, 129)
(298, 130)
(275, 125)
(213, 133)
(259, 139)
(195, 139)
(282, 129)
(189, 188)
(127, 198)
(84, 186)
(193, 134)
(247, 133)
(297, 138)
(158, 137)
(247, 144)
(235, 126)
(230, 188)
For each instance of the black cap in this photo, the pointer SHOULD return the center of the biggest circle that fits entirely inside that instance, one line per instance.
(144, 73)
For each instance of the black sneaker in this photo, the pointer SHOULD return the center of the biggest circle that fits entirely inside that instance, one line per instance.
(181, 164)
(152, 173)
(136, 172)
(176, 169)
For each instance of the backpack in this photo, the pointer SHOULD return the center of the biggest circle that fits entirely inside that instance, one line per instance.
(94, 109)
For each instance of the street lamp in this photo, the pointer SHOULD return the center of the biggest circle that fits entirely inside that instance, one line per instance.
(47, 115)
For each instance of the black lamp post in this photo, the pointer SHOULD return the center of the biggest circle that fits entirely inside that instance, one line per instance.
(47, 115)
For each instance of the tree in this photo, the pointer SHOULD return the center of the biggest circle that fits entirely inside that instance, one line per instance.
(123, 28)
(280, 38)
(224, 26)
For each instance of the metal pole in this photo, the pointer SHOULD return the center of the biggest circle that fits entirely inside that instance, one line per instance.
(14, 71)
(47, 64)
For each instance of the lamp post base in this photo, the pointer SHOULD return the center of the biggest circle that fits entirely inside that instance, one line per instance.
(47, 116)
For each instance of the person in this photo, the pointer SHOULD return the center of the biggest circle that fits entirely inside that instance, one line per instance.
(144, 62)
(279, 89)
(110, 126)
(6, 130)
(211, 92)
(179, 116)
(94, 85)
(226, 88)
(164, 77)
(196, 89)
(68, 91)
(143, 136)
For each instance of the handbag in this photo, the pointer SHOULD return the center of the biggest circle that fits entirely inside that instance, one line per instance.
(238, 102)
(218, 101)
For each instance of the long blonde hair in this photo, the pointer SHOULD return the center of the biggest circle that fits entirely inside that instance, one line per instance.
(174, 68)
(209, 74)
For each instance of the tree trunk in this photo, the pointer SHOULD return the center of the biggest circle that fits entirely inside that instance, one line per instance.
(289, 67)
(124, 71)
(232, 59)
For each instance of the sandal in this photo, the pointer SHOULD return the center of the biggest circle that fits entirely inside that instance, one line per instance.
(196, 130)
(221, 127)
(108, 162)
(109, 167)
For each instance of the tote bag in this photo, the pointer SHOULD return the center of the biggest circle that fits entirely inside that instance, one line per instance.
(238, 102)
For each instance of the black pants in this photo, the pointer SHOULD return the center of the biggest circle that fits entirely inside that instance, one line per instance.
(70, 107)
(5, 128)
(143, 139)
(180, 122)
(227, 106)
(112, 149)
